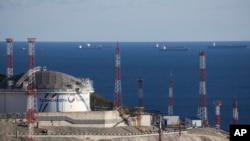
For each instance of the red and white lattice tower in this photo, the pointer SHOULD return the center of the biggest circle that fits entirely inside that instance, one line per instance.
(217, 114)
(31, 90)
(202, 108)
(9, 71)
(180, 129)
(160, 130)
(140, 93)
(235, 112)
(118, 93)
(140, 101)
(170, 96)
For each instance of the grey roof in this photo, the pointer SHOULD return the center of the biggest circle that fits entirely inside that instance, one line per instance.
(53, 80)
(46, 80)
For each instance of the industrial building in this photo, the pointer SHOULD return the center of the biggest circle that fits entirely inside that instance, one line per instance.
(56, 92)
(62, 100)
(193, 122)
(41, 90)
(43, 98)
(65, 96)
(171, 120)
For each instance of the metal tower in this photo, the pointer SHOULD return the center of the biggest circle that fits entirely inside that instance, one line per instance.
(140, 93)
(160, 130)
(217, 114)
(202, 108)
(31, 90)
(118, 93)
(180, 129)
(140, 102)
(9, 52)
(235, 112)
(170, 96)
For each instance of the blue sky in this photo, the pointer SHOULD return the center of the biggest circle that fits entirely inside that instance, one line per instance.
(125, 20)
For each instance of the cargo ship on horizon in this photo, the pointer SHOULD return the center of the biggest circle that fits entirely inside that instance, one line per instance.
(179, 48)
(230, 46)
(171, 48)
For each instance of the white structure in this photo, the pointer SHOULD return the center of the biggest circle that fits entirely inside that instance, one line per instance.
(102, 119)
(56, 92)
(193, 122)
(171, 120)
(144, 121)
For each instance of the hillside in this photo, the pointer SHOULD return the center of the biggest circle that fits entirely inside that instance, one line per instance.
(8, 130)
(99, 103)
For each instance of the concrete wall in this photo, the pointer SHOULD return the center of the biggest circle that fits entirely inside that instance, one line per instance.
(146, 120)
(172, 120)
(81, 119)
(13, 102)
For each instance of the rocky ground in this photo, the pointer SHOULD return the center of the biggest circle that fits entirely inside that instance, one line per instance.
(204, 134)
(8, 133)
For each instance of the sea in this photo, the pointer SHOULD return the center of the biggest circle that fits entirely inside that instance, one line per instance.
(227, 73)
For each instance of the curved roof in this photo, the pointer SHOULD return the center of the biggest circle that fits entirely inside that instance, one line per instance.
(44, 80)
(54, 80)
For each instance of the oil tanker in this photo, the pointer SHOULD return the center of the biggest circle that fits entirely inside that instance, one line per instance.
(214, 46)
(178, 48)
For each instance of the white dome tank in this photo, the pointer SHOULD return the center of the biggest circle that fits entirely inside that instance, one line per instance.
(56, 92)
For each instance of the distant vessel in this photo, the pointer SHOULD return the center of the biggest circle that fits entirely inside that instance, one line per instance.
(214, 46)
(157, 45)
(89, 46)
(180, 48)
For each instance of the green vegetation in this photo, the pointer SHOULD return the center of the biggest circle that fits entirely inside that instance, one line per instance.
(98, 101)
(2, 77)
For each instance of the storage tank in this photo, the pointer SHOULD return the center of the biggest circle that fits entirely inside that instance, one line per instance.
(56, 92)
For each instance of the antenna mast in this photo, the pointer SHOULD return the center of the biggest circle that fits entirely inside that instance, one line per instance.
(235, 112)
(170, 96)
(140, 108)
(118, 93)
(217, 114)
(9, 53)
(31, 90)
(202, 109)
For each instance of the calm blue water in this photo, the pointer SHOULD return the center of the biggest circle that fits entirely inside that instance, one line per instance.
(228, 73)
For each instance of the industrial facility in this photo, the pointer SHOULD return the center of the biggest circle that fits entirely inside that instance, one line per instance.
(54, 91)
(46, 98)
